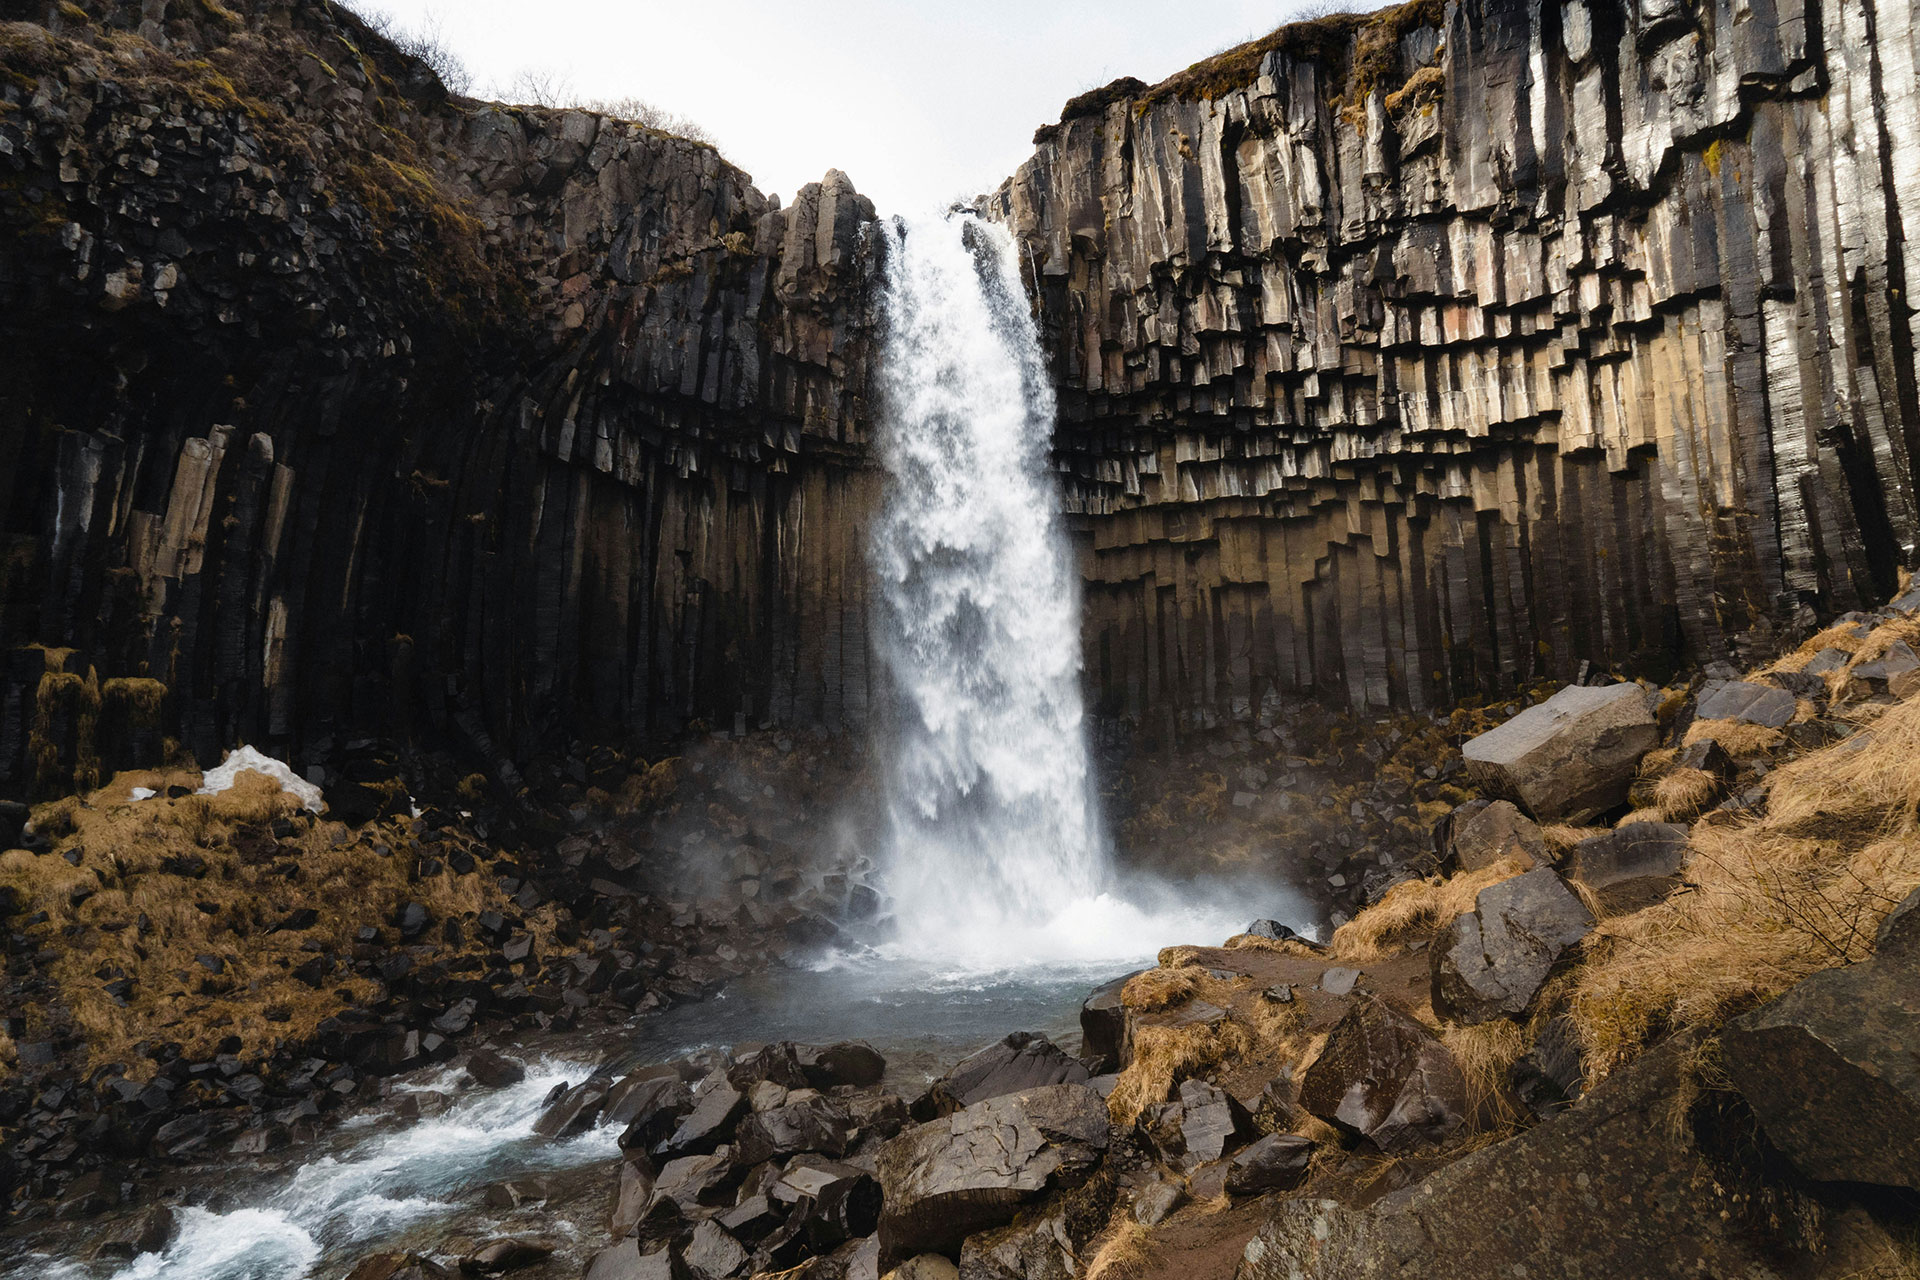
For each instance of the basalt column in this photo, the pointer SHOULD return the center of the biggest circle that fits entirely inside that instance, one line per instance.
(1430, 352)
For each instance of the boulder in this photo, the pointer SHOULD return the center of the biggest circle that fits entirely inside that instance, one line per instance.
(652, 1111)
(1830, 1067)
(1894, 674)
(707, 1125)
(1340, 980)
(973, 1169)
(625, 1261)
(694, 1180)
(1608, 1189)
(1157, 1201)
(1103, 1027)
(1277, 932)
(493, 1071)
(1036, 1250)
(753, 1219)
(637, 1178)
(833, 1202)
(1825, 661)
(1499, 830)
(1708, 757)
(497, 1257)
(1277, 1162)
(149, 1232)
(573, 1111)
(400, 1266)
(925, 1266)
(778, 1063)
(816, 1123)
(715, 1254)
(1199, 1124)
(1635, 851)
(1490, 962)
(1384, 1077)
(1739, 700)
(851, 1062)
(1024, 1060)
(1570, 757)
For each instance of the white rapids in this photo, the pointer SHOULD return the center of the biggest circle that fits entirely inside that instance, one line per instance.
(388, 1178)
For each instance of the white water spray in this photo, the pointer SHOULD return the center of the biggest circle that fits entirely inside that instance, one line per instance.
(990, 798)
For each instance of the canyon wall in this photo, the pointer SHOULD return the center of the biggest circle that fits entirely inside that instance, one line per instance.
(333, 407)
(1422, 354)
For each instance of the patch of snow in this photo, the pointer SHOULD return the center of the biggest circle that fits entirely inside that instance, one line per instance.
(241, 759)
(143, 793)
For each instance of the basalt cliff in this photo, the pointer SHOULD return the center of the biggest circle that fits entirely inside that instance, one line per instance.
(1401, 357)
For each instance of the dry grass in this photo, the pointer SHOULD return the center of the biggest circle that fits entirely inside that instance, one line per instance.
(1164, 1056)
(163, 882)
(1738, 738)
(1683, 793)
(1485, 1053)
(1561, 838)
(1126, 1253)
(1414, 907)
(1771, 899)
(1841, 637)
(1154, 989)
(1278, 946)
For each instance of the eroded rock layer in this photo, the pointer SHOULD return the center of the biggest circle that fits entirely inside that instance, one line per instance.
(1409, 356)
(334, 406)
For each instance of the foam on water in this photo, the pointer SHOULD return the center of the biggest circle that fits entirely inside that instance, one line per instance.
(399, 1175)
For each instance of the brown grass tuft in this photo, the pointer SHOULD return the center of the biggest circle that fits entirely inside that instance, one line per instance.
(1485, 1053)
(1278, 946)
(1127, 1253)
(1684, 793)
(1163, 1056)
(1416, 906)
(1771, 899)
(1561, 838)
(1158, 988)
(1738, 738)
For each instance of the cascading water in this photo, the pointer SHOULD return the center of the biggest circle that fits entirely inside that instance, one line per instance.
(993, 815)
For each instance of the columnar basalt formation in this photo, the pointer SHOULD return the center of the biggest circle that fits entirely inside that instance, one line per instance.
(1420, 354)
(340, 407)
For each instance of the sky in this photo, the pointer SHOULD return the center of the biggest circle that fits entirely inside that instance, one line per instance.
(920, 102)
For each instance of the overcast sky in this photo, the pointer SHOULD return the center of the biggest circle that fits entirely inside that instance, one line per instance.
(919, 101)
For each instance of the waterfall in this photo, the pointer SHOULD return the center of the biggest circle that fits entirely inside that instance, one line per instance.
(993, 818)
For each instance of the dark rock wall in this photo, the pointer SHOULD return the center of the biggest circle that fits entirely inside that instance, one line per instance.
(1430, 353)
(343, 408)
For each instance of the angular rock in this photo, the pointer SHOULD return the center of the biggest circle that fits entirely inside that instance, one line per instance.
(973, 1169)
(1157, 1201)
(707, 1125)
(1570, 757)
(925, 1266)
(1830, 1067)
(1277, 1162)
(833, 1202)
(851, 1062)
(1199, 1124)
(1490, 962)
(637, 1179)
(1638, 850)
(694, 1180)
(574, 1111)
(1103, 1026)
(497, 1257)
(1037, 1250)
(398, 1266)
(1894, 674)
(1739, 700)
(777, 1063)
(1023, 1060)
(715, 1254)
(814, 1124)
(652, 1109)
(1499, 830)
(625, 1261)
(1608, 1189)
(1708, 757)
(1384, 1077)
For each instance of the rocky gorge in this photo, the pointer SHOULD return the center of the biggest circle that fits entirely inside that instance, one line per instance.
(1484, 444)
